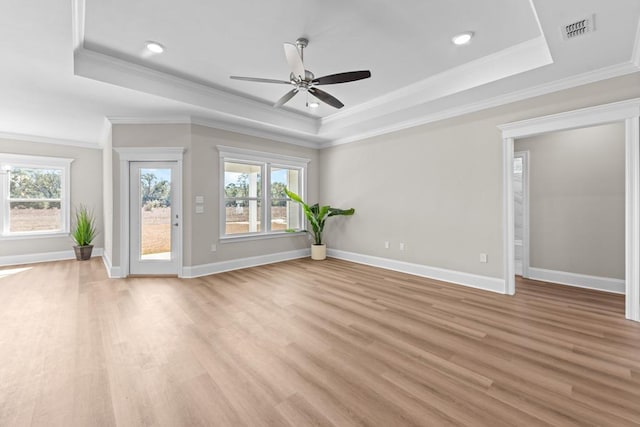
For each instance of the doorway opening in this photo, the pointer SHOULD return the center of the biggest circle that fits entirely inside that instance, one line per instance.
(627, 112)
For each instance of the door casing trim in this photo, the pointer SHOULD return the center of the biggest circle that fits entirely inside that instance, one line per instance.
(627, 112)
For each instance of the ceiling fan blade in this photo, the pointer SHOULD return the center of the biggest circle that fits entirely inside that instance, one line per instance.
(325, 97)
(350, 76)
(294, 60)
(287, 96)
(259, 80)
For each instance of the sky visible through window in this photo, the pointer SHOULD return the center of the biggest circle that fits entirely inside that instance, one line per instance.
(161, 174)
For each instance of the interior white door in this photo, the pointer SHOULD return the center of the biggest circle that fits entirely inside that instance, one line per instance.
(154, 218)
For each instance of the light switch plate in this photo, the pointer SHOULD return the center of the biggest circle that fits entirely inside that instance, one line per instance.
(199, 209)
(199, 199)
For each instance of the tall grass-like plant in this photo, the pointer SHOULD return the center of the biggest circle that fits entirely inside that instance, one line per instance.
(317, 215)
(85, 227)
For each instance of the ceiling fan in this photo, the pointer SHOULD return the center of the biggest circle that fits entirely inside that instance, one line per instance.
(304, 81)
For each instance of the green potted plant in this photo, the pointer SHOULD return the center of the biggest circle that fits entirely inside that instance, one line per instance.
(84, 232)
(317, 215)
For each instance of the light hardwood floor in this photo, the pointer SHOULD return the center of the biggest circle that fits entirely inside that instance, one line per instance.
(309, 343)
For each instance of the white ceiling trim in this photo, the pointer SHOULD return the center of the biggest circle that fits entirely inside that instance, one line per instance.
(108, 69)
(221, 125)
(77, 23)
(635, 56)
(513, 60)
(308, 142)
(48, 140)
(155, 120)
(567, 83)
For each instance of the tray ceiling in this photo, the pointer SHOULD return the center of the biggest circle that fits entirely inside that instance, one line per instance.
(69, 69)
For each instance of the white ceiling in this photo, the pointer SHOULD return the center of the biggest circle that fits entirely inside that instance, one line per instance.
(69, 64)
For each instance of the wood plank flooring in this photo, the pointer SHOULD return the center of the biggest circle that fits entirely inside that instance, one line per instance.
(305, 343)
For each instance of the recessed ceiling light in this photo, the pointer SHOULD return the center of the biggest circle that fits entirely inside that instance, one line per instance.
(313, 105)
(462, 38)
(155, 47)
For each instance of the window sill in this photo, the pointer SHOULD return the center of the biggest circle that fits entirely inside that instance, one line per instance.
(249, 237)
(27, 236)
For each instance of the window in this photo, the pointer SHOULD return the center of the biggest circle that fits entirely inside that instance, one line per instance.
(35, 195)
(254, 201)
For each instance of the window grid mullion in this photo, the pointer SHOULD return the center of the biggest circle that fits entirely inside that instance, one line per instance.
(266, 170)
(59, 166)
(34, 200)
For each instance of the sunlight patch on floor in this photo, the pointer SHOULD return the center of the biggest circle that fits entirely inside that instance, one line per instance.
(11, 271)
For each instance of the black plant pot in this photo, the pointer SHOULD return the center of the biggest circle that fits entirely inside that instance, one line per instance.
(83, 253)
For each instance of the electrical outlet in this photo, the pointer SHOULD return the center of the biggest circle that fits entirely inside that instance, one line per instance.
(386, 244)
(199, 209)
(402, 246)
(484, 258)
(214, 247)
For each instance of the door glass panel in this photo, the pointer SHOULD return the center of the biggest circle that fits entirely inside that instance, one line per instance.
(155, 214)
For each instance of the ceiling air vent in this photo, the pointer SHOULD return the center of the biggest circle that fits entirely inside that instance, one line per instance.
(579, 27)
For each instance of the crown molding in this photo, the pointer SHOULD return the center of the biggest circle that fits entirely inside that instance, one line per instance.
(543, 89)
(419, 118)
(99, 66)
(513, 60)
(48, 140)
(150, 120)
(303, 141)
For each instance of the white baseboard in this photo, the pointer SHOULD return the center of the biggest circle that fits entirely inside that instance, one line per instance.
(578, 280)
(43, 257)
(492, 284)
(518, 267)
(112, 272)
(222, 266)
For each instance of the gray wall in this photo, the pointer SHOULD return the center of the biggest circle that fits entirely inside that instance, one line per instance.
(86, 188)
(438, 187)
(577, 200)
(205, 182)
(201, 177)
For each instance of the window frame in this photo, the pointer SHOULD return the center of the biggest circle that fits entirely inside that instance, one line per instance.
(266, 161)
(8, 161)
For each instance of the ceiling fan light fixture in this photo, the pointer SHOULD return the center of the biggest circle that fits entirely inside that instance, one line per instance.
(462, 38)
(155, 47)
(305, 81)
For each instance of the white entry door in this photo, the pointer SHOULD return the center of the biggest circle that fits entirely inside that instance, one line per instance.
(154, 218)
